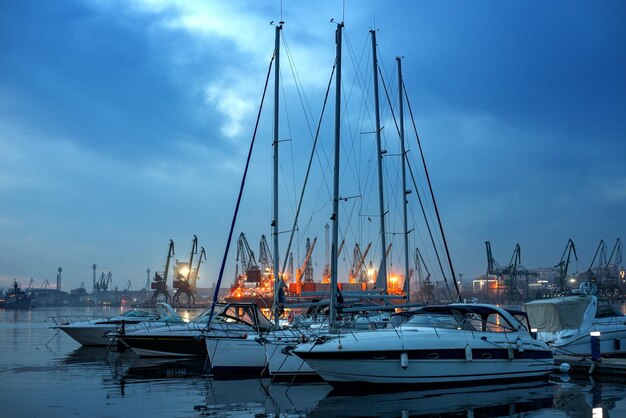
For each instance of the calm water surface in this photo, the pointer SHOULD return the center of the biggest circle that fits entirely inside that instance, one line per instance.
(53, 376)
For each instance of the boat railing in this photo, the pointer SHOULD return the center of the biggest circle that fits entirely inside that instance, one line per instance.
(61, 320)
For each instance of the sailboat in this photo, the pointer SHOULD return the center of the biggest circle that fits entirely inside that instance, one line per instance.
(446, 344)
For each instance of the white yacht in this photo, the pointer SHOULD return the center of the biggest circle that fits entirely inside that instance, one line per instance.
(96, 332)
(438, 344)
(566, 324)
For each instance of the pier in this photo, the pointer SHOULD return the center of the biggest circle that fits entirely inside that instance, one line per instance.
(606, 366)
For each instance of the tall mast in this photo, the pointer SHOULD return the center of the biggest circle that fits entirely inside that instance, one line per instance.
(275, 176)
(335, 215)
(381, 281)
(405, 192)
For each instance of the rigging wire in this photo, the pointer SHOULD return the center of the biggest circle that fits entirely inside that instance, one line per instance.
(243, 183)
(417, 191)
(432, 195)
(306, 177)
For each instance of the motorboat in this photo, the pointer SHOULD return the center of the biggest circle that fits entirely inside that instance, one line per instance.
(446, 344)
(184, 340)
(173, 340)
(232, 339)
(567, 324)
(97, 331)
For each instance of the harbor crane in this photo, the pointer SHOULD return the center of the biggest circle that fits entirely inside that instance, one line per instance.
(306, 269)
(593, 277)
(603, 275)
(247, 261)
(159, 285)
(426, 287)
(561, 288)
(103, 283)
(184, 276)
(614, 273)
(265, 256)
(357, 274)
(508, 276)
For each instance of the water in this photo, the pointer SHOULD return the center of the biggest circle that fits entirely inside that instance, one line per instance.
(63, 379)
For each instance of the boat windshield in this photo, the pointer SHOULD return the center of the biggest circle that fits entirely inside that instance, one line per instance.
(605, 310)
(138, 314)
(467, 322)
(434, 321)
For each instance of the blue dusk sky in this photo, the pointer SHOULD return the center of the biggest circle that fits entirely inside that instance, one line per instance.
(124, 124)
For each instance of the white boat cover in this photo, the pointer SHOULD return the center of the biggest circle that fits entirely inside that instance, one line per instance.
(557, 314)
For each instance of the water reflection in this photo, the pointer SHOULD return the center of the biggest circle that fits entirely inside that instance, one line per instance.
(92, 355)
(158, 368)
(589, 397)
(560, 396)
(119, 372)
(477, 401)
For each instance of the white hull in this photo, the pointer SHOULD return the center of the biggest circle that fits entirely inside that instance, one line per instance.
(427, 371)
(236, 353)
(281, 364)
(612, 342)
(90, 334)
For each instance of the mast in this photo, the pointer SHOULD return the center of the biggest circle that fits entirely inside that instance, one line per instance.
(381, 280)
(405, 192)
(335, 215)
(277, 283)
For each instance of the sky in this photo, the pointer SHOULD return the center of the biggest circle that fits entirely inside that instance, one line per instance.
(124, 124)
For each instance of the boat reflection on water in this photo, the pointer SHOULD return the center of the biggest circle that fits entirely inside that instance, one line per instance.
(588, 397)
(476, 401)
(90, 355)
(234, 397)
(164, 368)
(283, 398)
(124, 375)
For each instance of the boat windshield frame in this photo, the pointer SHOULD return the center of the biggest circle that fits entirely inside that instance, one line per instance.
(476, 318)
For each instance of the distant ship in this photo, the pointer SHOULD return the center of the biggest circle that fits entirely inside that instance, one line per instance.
(15, 298)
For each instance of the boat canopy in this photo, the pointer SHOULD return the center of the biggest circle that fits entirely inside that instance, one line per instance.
(557, 314)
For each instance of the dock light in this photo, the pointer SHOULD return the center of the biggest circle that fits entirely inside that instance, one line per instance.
(533, 330)
(594, 333)
(572, 280)
(184, 271)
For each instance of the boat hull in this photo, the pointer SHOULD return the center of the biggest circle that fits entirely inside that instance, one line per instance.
(612, 343)
(425, 357)
(235, 354)
(190, 344)
(280, 362)
(91, 335)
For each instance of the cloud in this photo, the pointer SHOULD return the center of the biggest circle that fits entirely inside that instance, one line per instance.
(613, 190)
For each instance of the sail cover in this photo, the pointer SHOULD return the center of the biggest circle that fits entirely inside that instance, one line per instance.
(551, 315)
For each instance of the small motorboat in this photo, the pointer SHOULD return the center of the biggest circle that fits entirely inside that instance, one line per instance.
(98, 331)
(567, 324)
